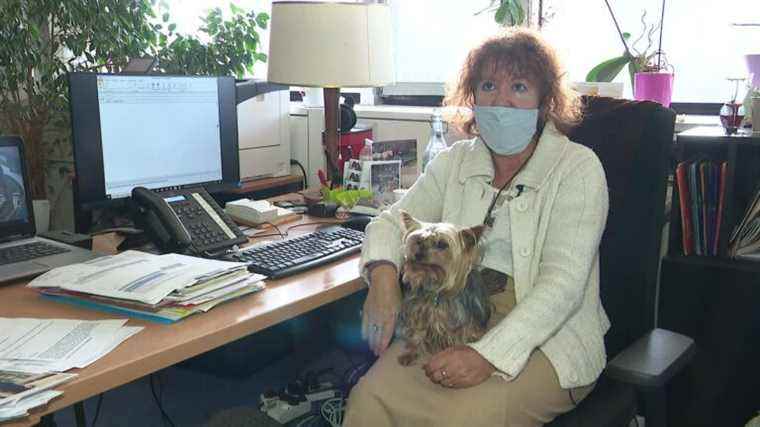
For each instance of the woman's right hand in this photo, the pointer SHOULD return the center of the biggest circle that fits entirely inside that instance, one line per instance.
(381, 307)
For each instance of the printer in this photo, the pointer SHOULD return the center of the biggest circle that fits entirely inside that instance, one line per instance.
(263, 113)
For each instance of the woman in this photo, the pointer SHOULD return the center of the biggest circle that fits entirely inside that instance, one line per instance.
(545, 201)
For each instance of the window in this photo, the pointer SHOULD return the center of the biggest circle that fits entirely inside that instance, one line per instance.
(432, 38)
(700, 43)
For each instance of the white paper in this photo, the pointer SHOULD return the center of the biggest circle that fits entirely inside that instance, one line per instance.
(39, 345)
(135, 276)
(21, 408)
(21, 385)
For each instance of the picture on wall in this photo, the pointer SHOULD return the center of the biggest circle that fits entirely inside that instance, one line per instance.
(404, 150)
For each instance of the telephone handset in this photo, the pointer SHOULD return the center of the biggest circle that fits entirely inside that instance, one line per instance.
(186, 220)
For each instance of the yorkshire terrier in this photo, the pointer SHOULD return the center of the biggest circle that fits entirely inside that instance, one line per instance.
(445, 302)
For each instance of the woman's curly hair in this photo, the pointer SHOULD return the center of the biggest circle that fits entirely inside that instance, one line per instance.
(518, 52)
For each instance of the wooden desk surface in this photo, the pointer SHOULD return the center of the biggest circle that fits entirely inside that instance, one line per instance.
(159, 346)
(267, 183)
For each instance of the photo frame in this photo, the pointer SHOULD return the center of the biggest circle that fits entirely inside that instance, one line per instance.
(384, 177)
(404, 150)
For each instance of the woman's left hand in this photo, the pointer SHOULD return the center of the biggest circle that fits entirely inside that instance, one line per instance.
(458, 367)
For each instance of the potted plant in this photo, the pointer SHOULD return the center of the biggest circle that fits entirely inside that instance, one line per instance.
(651, 75)
(43, 40)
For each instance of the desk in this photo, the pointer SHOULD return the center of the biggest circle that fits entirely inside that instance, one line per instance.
(159, 346)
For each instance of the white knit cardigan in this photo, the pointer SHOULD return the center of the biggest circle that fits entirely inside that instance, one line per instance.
(556, 224)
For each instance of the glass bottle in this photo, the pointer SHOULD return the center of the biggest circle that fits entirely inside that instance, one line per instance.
(365, 154)
(437, 142)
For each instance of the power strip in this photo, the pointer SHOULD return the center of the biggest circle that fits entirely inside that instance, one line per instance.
(284, 411)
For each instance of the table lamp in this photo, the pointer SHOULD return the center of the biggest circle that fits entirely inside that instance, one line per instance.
(331, 45)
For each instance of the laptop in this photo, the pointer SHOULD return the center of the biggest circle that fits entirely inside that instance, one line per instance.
(22, 253)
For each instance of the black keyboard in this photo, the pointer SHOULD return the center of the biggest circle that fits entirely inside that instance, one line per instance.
(285, 257)
(28, 251)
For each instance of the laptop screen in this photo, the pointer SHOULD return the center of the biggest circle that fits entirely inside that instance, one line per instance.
(14, 211)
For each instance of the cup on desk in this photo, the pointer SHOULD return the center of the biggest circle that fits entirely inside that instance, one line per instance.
(756, 115)
(398, 194)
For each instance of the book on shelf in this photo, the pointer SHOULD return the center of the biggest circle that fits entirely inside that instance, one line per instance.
(701, 193)
(744, 242)
(687, 234)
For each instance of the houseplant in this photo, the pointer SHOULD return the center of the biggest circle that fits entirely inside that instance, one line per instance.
(649, 71)
(506, 12)
(43, 40)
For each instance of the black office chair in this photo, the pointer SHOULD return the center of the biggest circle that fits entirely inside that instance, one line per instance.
(633, 141)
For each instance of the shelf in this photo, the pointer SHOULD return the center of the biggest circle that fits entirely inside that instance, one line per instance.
(716, 262)
(715, 135)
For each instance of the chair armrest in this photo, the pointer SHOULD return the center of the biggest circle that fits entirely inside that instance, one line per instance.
(653, 359)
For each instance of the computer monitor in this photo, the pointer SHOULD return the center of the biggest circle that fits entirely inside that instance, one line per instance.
(154, 131)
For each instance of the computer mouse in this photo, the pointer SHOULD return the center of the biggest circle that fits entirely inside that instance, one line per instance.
(357, 222)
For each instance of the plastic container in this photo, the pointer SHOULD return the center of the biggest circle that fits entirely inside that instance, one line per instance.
(366, 152)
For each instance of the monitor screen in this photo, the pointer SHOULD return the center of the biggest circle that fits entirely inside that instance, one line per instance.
(158, 132)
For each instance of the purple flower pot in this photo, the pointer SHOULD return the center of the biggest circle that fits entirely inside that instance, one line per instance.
(656, 87)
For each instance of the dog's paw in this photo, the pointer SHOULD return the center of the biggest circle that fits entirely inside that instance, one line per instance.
(407, 358)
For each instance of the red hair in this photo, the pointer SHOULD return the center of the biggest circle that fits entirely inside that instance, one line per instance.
(519, 52)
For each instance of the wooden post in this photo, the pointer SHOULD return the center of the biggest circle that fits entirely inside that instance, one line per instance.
(331, 138)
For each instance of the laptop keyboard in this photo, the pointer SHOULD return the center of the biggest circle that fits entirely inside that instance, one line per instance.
(28, 251)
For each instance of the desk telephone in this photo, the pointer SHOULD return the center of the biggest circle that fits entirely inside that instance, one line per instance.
(185, 221)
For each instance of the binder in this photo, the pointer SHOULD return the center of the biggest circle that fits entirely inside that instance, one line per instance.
(687, 235)
(696, 204)
(722, 170)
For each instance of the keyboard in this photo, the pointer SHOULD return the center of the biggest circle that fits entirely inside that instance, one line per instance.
(28, 251)
(285, 257)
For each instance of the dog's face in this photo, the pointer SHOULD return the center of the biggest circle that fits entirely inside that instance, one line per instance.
(438, 253)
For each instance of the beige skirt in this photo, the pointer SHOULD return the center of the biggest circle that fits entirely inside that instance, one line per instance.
(394, 395)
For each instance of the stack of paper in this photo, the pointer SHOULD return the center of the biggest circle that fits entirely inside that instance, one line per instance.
(162, 288)
(21, 391)
(33, 352)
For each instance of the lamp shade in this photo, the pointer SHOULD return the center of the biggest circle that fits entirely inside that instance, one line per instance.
(332, 45)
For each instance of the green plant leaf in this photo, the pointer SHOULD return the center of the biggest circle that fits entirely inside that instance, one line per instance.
(608, 70)
(165, 17)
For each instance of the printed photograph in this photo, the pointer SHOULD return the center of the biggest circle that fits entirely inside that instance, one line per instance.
(404, 150)
(384, 177)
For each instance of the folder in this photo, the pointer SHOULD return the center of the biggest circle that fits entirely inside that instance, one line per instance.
(687, 235)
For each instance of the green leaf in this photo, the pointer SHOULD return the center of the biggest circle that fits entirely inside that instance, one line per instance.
(262, 19)
(172, 27)
(235, 9)
(608, 70)
(165, 17)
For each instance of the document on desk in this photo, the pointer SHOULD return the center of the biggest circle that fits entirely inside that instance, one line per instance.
(21, 408)
(135, 276)
(41, 345)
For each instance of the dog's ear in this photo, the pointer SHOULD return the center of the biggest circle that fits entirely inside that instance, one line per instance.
(471, 236)
(408, 222)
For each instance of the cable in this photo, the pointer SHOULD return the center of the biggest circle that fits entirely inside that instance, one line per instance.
(309, 223)
(275, 227)
(303, 172)
(164, 415)
(332, 411)
(97, 410)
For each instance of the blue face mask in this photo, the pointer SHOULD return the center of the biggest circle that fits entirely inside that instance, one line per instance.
(506, 130)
